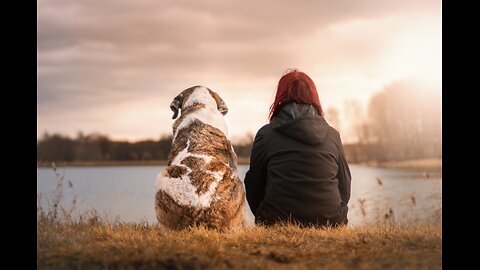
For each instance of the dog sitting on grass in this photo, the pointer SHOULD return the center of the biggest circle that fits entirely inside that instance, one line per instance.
(200, 185)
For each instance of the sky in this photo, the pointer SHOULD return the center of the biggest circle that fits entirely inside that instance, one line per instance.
(114, 66)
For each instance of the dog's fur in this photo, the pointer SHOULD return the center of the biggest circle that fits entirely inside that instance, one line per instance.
(200, 185)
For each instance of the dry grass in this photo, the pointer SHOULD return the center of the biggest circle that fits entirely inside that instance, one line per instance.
(87, 241)
(136, 246)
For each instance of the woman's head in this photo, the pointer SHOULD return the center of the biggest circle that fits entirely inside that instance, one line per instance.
(295, 86)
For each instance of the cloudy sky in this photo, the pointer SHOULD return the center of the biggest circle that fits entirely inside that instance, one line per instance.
(114, 66)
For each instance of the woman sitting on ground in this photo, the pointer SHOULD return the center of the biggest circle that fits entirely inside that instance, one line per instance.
(298, 172)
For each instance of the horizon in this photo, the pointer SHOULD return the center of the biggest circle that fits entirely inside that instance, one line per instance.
(113, 67)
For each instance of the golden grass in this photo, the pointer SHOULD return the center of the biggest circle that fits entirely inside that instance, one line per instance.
(87, 242)
(136, 246)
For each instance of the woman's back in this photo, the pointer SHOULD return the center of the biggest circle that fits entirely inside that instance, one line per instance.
(300, 157)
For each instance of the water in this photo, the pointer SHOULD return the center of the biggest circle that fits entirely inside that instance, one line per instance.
(127, 193)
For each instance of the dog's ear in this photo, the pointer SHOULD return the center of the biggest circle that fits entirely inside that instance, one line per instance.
(176, 105)
(221, 106)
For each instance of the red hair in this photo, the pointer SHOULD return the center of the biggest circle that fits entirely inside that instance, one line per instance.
(295, 86)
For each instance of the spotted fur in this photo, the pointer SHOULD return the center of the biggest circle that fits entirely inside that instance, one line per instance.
(200, 185)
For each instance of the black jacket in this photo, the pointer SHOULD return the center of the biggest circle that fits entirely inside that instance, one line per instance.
(298, 170)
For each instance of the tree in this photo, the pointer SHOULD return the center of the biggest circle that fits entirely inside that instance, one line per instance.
(333, 117)
(358, 122)
(406, 120)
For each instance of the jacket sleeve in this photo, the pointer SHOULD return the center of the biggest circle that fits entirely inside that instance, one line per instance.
(344, 177)
(255, 178)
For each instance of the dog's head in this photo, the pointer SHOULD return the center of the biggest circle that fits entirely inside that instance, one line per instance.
(197, 95)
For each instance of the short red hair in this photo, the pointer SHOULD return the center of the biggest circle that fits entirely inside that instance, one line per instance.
(295, 86)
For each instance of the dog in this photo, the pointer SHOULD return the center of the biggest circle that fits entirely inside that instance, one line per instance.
(200, 186)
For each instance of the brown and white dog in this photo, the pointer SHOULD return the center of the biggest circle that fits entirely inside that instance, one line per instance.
(200, 185)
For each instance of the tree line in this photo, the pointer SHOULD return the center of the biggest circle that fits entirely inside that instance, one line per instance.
(98, 147)
(401, 122)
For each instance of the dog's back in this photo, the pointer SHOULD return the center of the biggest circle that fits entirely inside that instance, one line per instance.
(200, 185)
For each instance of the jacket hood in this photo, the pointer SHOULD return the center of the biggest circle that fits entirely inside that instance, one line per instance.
(301, 122)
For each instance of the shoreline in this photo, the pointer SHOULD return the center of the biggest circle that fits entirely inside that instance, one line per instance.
(423, 164)
(113, 163)
(432, 164)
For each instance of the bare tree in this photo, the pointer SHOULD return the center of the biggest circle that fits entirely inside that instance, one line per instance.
(358, 121)
(405, 119)
(333, 117)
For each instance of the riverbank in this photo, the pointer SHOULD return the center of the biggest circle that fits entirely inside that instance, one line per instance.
(423, 164)
(113, 163)
(137, 246)
(103, 163)
(420, 164)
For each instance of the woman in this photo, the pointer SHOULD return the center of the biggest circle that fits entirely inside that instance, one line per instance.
(298, 170)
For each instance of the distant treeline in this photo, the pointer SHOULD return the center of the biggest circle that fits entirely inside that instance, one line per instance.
(97, 147)
(401, 122)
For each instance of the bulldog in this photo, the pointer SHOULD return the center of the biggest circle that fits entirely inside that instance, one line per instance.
(200, 185)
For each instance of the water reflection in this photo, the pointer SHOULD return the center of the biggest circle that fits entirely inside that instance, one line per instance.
(127, 193)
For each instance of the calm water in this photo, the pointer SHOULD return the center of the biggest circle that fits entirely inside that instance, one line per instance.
(127, 193)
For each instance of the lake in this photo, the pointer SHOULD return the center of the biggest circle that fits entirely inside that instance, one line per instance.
(402, 196)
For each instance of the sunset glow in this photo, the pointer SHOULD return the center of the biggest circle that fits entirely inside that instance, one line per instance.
(113, 67)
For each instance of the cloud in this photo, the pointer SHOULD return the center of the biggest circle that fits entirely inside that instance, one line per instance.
(188, 23)
(94, 55)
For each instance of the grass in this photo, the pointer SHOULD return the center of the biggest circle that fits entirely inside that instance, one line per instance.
(87, 241)
(287, 246)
